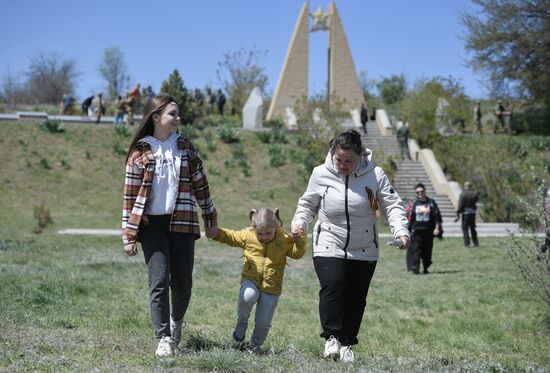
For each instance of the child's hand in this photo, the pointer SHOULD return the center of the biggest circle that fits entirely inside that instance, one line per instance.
(296, 230)
(212, 232)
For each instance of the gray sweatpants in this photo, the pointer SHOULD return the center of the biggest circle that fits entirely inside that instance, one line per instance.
(249, 295)
(169, 257)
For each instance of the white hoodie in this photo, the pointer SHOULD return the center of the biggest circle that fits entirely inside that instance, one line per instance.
(167, 171)
(346, 223)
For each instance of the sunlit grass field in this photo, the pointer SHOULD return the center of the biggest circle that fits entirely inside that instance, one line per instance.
(77, 303)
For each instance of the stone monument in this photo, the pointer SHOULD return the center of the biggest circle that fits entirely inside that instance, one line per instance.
(292, 85)
(253, 110)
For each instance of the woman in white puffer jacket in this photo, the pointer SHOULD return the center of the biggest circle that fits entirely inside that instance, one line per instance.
(345, 193)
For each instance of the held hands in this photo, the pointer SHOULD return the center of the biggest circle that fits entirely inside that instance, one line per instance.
(297, 230)
(130, 249)
(212, 232)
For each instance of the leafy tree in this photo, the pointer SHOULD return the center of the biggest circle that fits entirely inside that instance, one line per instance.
(420, 106)
(113, 70)
(392, 89)
(510, 41)
(174, 86)
(239, 72)
(367, 85)
(50, 76)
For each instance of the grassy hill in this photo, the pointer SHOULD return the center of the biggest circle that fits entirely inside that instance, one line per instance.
(79, 173)
(77, 303)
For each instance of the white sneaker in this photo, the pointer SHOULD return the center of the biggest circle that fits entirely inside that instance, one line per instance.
(331, 348)
(175, 331)
(164, 348)
(346, 354)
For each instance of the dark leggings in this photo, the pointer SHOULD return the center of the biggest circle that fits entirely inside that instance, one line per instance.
(169, 257)
(422, 242)
(343, 296)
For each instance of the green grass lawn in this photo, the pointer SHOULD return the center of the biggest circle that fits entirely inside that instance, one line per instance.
(77, 303)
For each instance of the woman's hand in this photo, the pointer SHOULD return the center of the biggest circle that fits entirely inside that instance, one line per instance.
(130, 249)
(297, 230)
(405, 242)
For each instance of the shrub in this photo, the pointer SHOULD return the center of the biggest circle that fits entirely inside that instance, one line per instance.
(278, 136)
(228, 134)
(122, 131)
(264, 136)
(274, 123)
(531, 253)
(52, 126)
(189, 131)
(119, 149)
(276, 155)
(42, 216)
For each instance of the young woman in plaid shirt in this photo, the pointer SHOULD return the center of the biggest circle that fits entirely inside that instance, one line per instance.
(164, 184)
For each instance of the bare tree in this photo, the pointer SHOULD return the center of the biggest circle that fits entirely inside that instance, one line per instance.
(239, 73)
(113, 70)
(50, 75)
(13, 91)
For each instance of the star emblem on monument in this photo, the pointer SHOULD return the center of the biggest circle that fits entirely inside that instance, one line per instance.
(320, 20)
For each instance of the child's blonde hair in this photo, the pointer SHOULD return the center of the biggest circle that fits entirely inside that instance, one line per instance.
(265, 218)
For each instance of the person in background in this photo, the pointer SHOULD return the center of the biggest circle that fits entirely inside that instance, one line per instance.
(85, 106)
(499, 114)
(164, 186)
(346, 193)
(129, 107)
(477, 117)
(97, 104)
(265, 249)
(403, 139)
(425, 222)
(467, 210)
(119, 110)
(364, 118)
(220, 101)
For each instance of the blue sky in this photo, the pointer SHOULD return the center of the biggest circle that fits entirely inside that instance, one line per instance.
(416, 38)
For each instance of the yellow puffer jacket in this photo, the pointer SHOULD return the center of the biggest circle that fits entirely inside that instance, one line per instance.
(264, 264)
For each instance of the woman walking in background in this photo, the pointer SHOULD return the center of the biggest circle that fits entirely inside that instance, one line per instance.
(164, 183)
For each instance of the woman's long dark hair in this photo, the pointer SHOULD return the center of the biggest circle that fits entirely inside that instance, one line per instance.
(350, 139)
(146, 127)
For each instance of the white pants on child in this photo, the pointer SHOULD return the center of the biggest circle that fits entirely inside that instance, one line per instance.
(249, 294)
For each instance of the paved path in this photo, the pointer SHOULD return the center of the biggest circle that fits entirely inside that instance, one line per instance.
(450, 230)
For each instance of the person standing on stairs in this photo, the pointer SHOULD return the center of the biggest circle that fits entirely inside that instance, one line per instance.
(403, 139)
(364, 118)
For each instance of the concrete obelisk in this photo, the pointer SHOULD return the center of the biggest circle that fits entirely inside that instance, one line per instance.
(293, 81)
(343, 81)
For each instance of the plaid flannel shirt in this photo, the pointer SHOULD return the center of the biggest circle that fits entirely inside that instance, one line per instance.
(192, 191)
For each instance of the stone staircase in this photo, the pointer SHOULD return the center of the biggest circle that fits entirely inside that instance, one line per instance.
(409, 172)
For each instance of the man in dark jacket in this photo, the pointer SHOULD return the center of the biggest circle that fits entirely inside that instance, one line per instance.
(467, 208)
(424, 223)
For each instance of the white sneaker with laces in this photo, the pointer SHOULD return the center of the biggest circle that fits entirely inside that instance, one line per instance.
(331, 348)
(164, 348)
(175, 331)
(346, 354)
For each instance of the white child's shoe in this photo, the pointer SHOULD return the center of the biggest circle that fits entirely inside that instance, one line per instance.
(331, 348)
(175, 331)
(164, 348)
(346, 354)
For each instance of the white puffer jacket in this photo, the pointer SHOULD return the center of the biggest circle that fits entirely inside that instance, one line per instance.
(346, 224)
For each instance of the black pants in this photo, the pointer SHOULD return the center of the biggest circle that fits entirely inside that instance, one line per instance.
(343, 296)
(169, 257)
(422, 242)
(469, 225)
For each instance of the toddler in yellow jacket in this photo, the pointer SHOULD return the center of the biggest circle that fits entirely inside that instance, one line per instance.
(265, 247)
